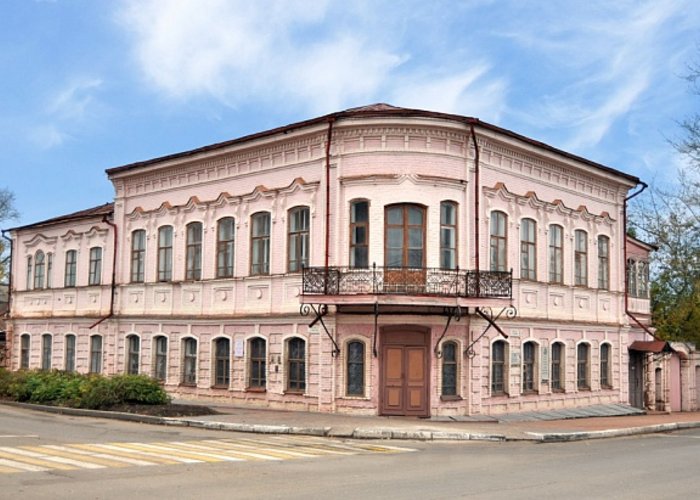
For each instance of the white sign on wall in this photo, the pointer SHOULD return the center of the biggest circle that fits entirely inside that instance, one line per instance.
(238, 348)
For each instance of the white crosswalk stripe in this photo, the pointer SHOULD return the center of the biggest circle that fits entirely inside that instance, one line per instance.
(41, 458)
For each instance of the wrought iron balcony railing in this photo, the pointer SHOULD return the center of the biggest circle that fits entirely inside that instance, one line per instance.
(434, 282)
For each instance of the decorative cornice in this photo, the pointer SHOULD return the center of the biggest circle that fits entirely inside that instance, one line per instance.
(40, 239)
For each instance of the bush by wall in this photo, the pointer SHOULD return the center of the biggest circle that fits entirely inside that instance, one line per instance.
(80, 391)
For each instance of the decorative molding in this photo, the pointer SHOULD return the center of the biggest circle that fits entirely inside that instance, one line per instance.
(40, 239)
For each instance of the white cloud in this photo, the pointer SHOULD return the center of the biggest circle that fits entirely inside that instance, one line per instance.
(48, 136)
(73, 101)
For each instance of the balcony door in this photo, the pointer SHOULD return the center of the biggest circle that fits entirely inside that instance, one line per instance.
(404, 248)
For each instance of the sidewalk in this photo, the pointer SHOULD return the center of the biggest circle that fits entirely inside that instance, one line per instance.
(535, 427)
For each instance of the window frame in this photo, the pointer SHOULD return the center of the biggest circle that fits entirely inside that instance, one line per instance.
(298, 238)
(95, 267)
(46, 351)
(448, 363)
(30, 274)
(530, 354)
(603, 262)
(49, 270)
(406, 227)
(138, 256)
(358, 250)
(189, 362)
(164, 270)
(498, 243)
(295, 366)
(355, 365)
(499, 368)
(133, 354)
(580, 258)
(583, 364)
(449, 256)
(39, 275)
(605, 374)
(96, 354)
(222, 362)
(70, 269)
(257, 364)
(260, 243)
(70, 342)
(25, 345)
(528, 249)
(160, 358)
(194, 234)
(558, 367)
(225, 247)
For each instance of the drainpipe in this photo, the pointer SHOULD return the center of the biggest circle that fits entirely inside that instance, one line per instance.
(624, 225)
(476, 208)
(9, 274)
(328, 192)
(114, 274)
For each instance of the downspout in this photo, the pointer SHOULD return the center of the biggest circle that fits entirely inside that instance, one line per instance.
(328, 193)
(476, 208)
(114, 274)
(9, 274)
(624, 225)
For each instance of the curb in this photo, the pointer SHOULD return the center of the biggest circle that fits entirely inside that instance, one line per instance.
(562, 437)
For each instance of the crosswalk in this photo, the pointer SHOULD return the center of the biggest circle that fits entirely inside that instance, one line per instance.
(74, 456)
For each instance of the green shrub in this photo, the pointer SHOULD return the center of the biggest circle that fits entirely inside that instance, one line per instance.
(139, 389)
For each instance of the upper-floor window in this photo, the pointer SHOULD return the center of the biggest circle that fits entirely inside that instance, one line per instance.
(49, 270)
(260, 243)
(499, 241)
(225, 234)
(580, 258)
(528, 250)
(556, 254)
(165, 253)
(359, 234)
(603, 262)
(298, 239)
(29, 272)
(138, 256)
(193, 252)
(39, 270)
(404, 241)
(638, 278)
(71, 266)
(448, 235)
(95, 271)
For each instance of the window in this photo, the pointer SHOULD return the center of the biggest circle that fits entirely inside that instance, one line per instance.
(29, 272)
(24, 352)
(528, 250)
(355, 385)
(359, 234)
(638, 278)
(225, 233)
(257, 368)
(603, 262)
(449, 369)
(70, 271)
(580, 258)
(260, 244)
(138, 255)
(39, 270)
(404, 241)
(46, 348)
(582, 378)
(605, 382)
(557, 382)
(160, 366)
(165, 253)
(298, 239)
(189, 364)
(296, 365)
(49, 270)
(222, 362)
(529, 366)
(70, 353)
(193, 252)
(499, 242)
(133, 347)
(556, 254)
(448, 235)
(498, 368)
(95, 354)
(95, 274)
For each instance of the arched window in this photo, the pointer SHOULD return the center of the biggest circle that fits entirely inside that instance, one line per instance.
(225, 239)
(355, 368)
(189, 361)
(605, 379)
(448, 235)
(296, 365)
(257, 372)
(96, 354)
(499, 241)
(260, 243)
(24, 351)
(556, 254)
(138, 256)
(70, 269)
(580, 258)
(558, 367)
(604, 262)
(528, 249)
(160, 365)
(529, 367)
(70, 353)
(193, 252)
(39, 270)
(222, 362)
(165, 253)
(359, 234)
(133, 354)
(582, 367)
(298, 239)
(95, 271)
(449, 368)
(46, 351)
(499, 356)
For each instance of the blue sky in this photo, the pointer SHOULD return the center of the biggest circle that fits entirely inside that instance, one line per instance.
(87, 85)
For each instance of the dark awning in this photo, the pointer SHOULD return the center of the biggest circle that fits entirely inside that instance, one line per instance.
(654, 346)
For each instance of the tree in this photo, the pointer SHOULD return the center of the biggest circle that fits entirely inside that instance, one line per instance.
(7, 212)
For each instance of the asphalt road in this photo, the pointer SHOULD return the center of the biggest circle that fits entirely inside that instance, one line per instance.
(53, 456)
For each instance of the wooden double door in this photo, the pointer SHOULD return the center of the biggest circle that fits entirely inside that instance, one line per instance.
(405, 368)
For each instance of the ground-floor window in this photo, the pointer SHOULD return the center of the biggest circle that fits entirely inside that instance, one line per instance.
(498, 367)
(582, 364)
(133, 344)
(96, 354)
(257, 364)
(189, 361)
(296, 365)
(605, 366)
(449, 369)
(46, 351)
(222, 362)
(355, 370)
(529, 357)
(557, 382)
(160, 366)
(70, 353)
(24, 352)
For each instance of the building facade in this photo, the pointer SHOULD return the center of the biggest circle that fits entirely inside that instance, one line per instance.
(378, 260)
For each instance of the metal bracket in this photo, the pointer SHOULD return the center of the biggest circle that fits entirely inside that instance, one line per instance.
(374, 338)
(450, 312)
(510, 312)
(320, 311)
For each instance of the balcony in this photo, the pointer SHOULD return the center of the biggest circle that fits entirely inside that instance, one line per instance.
(404, 281)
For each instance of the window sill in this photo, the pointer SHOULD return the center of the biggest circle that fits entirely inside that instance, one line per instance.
(187, 384)
(356, 397)
(530, 393)
(293, 392)
(606, 388)
(259, 390)
(220, 386)
(451, 398)
(558, 391)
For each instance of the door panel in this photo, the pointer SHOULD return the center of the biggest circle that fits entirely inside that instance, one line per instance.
(405, 380)
(393, 401)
